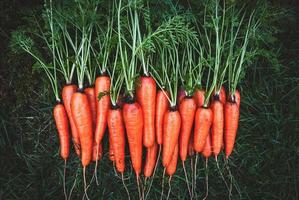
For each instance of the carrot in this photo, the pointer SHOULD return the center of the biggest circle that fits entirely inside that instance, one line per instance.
(171, 167)
(150, 161)
(82, 116)
(187, 111)
(161, 107)
(217, 125)
(231, 117)
(171, 131)
(117, 136)
(221, 94)
(203, 122)
(207, 150)
(199, 96)
(146, 97)
(96, 151)
(62, 126)
(90, 92)
(111, 153)
(133, 119)
(181, 95)
(102, 87)
(67, 93)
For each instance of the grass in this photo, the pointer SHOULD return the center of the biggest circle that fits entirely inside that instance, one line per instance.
(264, 164)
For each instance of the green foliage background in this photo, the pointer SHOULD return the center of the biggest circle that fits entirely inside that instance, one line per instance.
(264, 166)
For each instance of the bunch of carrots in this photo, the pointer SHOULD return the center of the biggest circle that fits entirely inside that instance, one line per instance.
(159, 89)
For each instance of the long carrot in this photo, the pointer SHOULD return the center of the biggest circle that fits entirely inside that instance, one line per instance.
(217, 125)
(90, 92)
(161, 107)
(187, 110)
(82, 117)
(231, 117)
(133, 119)
(150, 160)
(62, 126)
(102, 87)
(199, 96)
(146, 97)
(171, 167)
(117, 132)
(67, 93)
(171, 131)
(203, 122)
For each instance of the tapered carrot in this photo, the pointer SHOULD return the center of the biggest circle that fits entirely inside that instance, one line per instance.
(146, 97)
(62, 125)
(171, 131)
(162, 105)
(203, 122)
(102, 88)
(187, 110)
(90, 92)
(150, 160)
(217, 125)
(231, 118)
(97, 153)
(133, 119)
(207, 150)
(199, 96)
(117, 136)
(67, 93)
(171, 167)
(82, 117)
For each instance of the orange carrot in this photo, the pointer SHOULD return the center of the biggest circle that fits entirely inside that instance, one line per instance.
(82, 116)
(111, 153)
(98, 151)
(187, 111)
(90, 92)
(203, 122)
(62, 126)
(207, 150)
(231, 117)
(117, 136)
(102, 88)
(217, 125)
(171, 131)
(161, 107)
(181, 95)
(199, 96)
(171, 167)
(67, 93)
(133, 119)
(146, 97)
(150, 161)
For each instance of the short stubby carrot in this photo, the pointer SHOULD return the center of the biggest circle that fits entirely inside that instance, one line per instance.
(133, 119)
(82, 116)
(207, 150)
(217, 126)
(231, 122)
(90, 92)
(97, 153)
(62, 125)
(146, 97)
(150, 160)
(203, 122)
(162, 105)
(171, 131)
(199, 96)
(117, 137)
(171, 168)
(102, 89)
(187, 110)
(67, 93)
